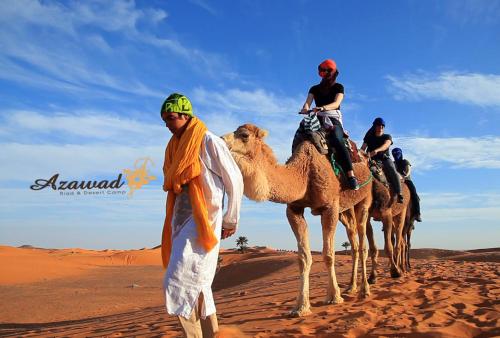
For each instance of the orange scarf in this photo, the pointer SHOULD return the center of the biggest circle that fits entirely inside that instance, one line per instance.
(183, 166)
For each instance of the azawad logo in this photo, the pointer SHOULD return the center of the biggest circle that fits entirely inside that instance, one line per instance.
(136, 178)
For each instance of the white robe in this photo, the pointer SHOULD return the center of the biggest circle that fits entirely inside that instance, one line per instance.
(191, 269)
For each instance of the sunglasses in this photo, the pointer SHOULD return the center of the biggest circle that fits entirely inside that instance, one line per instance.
(324, 70)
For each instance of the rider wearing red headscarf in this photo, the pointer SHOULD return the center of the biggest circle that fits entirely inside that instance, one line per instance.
(327, 96)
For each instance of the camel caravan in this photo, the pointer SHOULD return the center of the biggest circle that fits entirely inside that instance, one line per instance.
(337, 181)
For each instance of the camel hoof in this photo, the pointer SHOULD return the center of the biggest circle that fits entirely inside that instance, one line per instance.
(395, 273)
(301, 312)
(334, 300)
(365, 293)
(352, 290)
(372, 280)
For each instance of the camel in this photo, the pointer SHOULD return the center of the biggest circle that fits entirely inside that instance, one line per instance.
(305, 181)
(394, 218)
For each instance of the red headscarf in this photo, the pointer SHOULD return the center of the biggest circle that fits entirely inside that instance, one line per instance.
(326, 67)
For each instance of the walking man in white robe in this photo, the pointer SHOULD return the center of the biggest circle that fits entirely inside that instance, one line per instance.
(198, 171)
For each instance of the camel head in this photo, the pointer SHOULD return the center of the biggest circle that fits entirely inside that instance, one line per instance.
(252, 156)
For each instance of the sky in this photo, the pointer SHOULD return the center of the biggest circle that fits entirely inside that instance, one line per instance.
(82, 83)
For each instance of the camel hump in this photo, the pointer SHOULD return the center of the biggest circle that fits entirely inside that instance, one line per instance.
(318, 139)
(306, 147)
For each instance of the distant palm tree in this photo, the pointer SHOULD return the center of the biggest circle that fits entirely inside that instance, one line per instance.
(242, 242)
(346, 245)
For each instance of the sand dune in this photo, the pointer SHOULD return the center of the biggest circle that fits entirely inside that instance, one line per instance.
(85, 293)
(27, 264)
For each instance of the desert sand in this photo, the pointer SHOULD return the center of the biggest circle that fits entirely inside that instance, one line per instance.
(112, 293)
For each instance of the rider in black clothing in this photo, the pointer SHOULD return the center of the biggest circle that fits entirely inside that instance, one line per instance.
(378, 145)
(403, 167)
(327, 96)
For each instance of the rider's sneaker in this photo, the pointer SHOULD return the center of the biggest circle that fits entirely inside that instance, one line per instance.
(353, 183)
(400, 198)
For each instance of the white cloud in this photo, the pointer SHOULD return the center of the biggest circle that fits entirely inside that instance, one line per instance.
(84, 127)
(12, 71)
(113, 15)
(277, 114)
(110, 16)
(34, 12)
(452, 200)
(98, 42)
(51, 45)
(257, 101)
(79, 143)
(468, 88)
(473, 11)
(455, 207)
(274, 112)
(428, 153)
(67, 70)
(75, 144)
(27, 162)
(207, 63)
(204, 4)
(80, 127)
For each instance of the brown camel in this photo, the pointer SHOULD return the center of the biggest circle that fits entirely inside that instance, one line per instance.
(305, 181)
(393, 216)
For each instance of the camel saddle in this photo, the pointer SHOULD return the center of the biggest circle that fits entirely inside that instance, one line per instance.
(318, 139)
(377, 170)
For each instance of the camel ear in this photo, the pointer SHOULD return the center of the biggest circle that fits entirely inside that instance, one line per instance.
(262, 133)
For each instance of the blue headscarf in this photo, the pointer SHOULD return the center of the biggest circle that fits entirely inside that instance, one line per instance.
(397, 153)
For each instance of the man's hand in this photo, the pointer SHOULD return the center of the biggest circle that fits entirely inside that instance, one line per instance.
(373, 153)
(227, 233)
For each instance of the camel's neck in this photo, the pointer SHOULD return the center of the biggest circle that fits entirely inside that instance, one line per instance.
(287, 183)
(267, 180)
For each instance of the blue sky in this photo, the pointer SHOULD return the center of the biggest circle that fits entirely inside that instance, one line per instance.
(81, 85)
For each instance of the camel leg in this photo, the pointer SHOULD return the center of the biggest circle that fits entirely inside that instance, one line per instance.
(408, 241)
(329, 219)
(398, 232)
(389, 249)
(403, 253)
(361, 220)
(299, 226)
(373, 251)
(348, 219)
(406, 248)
